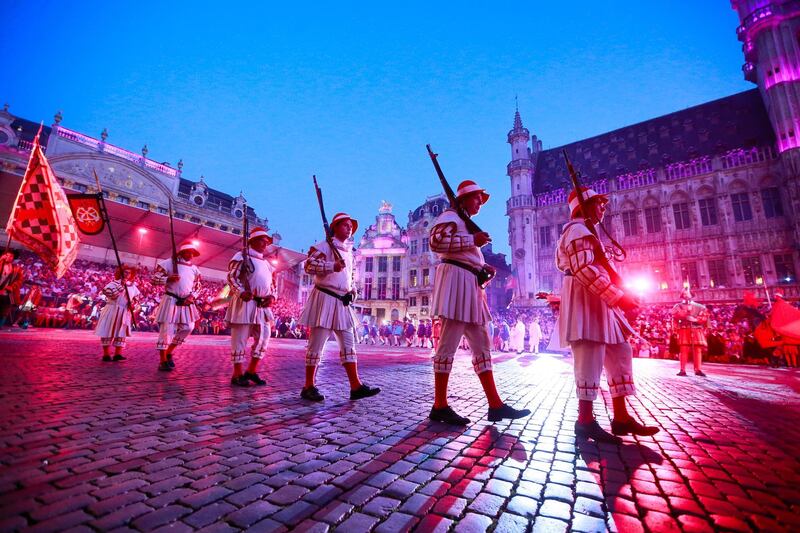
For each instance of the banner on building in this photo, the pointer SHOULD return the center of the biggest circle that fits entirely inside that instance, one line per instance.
(87, 212)
(41, 219)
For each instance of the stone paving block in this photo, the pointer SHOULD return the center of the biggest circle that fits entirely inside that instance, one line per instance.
(208, 514)
(397, 523)
(357, 522)
(205, 497)
(287, 495)
(451, 506)
(556, 509)
(543, 524)
(434, 524)
(520, 505)
(162, 516)
(334, 512)
(473, 523)
(511, 523)
(252, 513)
(360, 495)
(295, 513)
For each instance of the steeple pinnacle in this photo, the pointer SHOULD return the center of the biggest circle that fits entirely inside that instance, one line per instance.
(517, 121)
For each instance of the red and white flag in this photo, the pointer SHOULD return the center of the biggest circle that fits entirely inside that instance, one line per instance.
(41, 218)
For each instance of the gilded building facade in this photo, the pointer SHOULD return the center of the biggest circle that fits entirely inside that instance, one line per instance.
(380, 268)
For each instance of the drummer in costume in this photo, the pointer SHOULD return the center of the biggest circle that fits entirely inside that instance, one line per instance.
(328, 308)
(249, 313)
(689, 319)
(114, 325)
(460, 302)
(591, 322)
(177, 311)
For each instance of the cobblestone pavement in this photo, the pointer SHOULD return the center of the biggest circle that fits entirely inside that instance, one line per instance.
(99, 446)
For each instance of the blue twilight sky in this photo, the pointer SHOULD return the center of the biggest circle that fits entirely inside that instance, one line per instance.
(258, 97)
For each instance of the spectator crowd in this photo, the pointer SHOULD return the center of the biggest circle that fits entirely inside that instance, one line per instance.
(75, 301)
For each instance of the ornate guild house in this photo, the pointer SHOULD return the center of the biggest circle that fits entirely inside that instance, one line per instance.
(707, 196)
(379, 268)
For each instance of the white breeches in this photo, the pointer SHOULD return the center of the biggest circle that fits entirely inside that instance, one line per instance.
(479, 343)
(241, 333)
(319, 336)
(171, 333)
(591, 357)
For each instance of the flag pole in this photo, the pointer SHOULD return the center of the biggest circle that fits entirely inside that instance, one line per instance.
(107, 219)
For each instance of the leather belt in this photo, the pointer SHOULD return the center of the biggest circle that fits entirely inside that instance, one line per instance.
(261, 301)
(346, 298)
(482, 275)
(179, 301)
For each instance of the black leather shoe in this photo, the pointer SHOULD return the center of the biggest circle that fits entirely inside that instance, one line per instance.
(164, 367)
(498, 414)
(364, 391)
(119, 357)
(700, 373)
(106, 358)
(311, 394)
(632, 427)
(170, 362)
(254, 378)
(592, 430)
(240, 381)
(681, 373)
(448, 416)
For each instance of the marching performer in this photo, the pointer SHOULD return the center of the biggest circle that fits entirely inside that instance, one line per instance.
(177, 311)
(460, 302)
(689, 318)
(590, 321)
(328, 308)
(534, 335)
(114, 324)
(249, 313)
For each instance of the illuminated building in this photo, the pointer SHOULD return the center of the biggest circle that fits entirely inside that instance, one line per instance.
(708, 195)
(420, 259)
(379, 268)
(137, 190)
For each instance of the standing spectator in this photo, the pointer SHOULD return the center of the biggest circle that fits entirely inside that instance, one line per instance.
(11, 278)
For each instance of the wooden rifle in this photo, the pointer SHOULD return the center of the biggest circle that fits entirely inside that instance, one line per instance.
(247, 266)
(600, 255)
(106, 218)
(337, 256)
(484, 276)
(172, 239)
(599, 252)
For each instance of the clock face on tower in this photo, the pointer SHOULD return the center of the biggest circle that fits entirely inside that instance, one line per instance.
(519, 253)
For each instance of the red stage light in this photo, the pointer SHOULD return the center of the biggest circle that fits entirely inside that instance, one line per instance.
(195, 242)
(142, 231)
(640, 284)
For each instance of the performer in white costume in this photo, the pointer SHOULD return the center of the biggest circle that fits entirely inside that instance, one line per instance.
(460, 302)
(328, 310)
(689, 318)
(534, 335)
(249, 313)
(591, 322)
(114, 324)
(177, 311)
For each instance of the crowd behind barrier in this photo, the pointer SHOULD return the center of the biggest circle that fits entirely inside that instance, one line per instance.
(75, 300)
